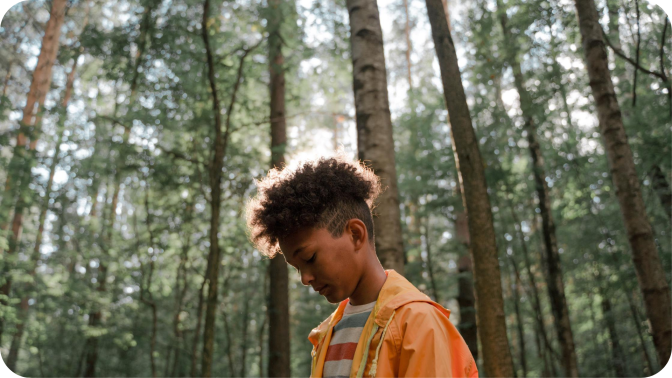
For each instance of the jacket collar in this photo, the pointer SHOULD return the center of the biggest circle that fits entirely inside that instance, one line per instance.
(396, 292)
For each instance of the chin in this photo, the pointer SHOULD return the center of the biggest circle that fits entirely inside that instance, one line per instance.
(334, 299)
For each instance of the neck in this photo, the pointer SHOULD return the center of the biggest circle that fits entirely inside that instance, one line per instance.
(370, 284)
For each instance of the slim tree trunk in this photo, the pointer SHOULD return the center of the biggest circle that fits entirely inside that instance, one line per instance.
(409, 45)
(515, 292)
(467, 303)
(544, 345)
(650, 273)
(428, 249)
(22, 161)
(556, 286)
(374, 126)
(278, 306)
(215, 201)
(197, 331)
(23, 312)
(638, 326)
(487, 277)
(617, 356)
(662, 188)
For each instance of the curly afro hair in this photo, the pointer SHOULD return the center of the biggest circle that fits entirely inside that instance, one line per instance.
(322, 193)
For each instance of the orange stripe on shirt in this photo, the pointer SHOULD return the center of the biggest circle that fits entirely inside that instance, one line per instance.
(345, 351)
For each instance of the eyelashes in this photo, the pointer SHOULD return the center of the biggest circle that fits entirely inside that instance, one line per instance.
(312, 258)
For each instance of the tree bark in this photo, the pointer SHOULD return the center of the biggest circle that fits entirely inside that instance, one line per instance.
(487, 277)
(650, 273)
(278, 305)
(375, 143)
(556, 286)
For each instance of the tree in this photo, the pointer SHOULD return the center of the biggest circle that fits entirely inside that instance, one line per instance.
(487, 277)
(646, 259)
(556, 286)
(22, 161)
(375, 144)
(278, 299)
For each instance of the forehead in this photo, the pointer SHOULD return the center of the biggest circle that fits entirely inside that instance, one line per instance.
(305, 237)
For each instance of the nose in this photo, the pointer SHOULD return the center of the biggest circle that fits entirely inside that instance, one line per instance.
(306, 277)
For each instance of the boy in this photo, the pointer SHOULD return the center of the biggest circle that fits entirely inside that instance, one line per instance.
(319, 218)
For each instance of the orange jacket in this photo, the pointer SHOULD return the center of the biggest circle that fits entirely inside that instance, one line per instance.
(418, 340)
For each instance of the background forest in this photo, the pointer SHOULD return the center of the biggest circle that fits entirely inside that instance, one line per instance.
(132, 133)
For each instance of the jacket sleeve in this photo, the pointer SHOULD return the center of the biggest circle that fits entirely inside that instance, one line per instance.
(430, 345)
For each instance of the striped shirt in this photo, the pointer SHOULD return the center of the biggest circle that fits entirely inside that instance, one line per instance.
(344, 340)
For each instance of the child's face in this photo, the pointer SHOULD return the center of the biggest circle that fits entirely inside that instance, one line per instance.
(332, 266)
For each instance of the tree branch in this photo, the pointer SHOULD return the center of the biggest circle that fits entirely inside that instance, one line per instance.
(620, 53)
(662, 48)
(639, 40)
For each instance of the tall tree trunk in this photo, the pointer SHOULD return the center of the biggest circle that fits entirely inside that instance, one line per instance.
(650, 273)
(617, 356)
(515, 292)
(487, 277)
(467, 302)
(543, 345)
(148, 299)
(556, 286)
(638, 326)
(278, 306)
(22, 161)
(662, 188)
(374, 126)
(215, 203)
(197, 330)
(23, 312)
(409, 45)
(181, 290)
(430, 271)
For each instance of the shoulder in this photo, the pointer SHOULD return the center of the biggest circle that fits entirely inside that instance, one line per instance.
(419, 314)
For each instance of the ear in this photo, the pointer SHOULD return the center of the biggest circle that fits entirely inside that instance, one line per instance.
(358, 233)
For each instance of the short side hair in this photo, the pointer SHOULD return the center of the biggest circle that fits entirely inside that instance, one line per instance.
(320, 193)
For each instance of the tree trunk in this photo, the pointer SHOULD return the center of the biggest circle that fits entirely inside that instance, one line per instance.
(487, 278)
(650, 273)
(515, 291)
(618, 358)
(556, 286)
(543, 345)
(430, 271)
(22, 161)
(215, 202)
(638, 326)
(23, 313)
(197, 331)
(374, 126)
(662, 188)
(466, 301)
(409, 45)
(278, 306)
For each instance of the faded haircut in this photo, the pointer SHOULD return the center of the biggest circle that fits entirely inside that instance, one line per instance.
(320, 193)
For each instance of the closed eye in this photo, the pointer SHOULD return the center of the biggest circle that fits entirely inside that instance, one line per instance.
(312, 258)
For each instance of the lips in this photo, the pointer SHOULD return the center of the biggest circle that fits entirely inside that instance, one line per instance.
(321, 289)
